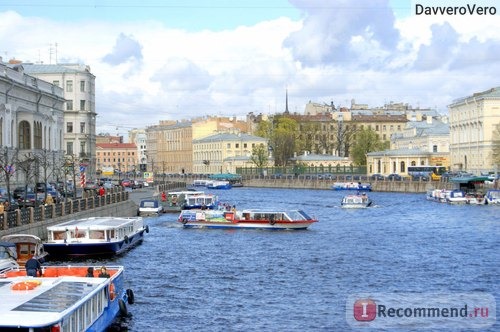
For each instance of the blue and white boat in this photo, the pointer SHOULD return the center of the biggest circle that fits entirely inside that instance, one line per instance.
(196, 200)
(493, 196)
(64, 299)
(149, 207)
(352, 186)
(455, 196)
(359, 201)
(214, 184)
(95, 236)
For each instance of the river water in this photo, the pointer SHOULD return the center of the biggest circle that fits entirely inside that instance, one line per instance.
(254, 280)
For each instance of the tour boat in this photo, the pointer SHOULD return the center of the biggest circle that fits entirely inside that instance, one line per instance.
(149, 207)
(218, 185)
(352, 186)
(197, 200)
(64, 299)
(359, 201)
(438, 195)
(173, 201)
(261, 219)
(27, 245)
(475, 199)
(493, 196)
(95, 236)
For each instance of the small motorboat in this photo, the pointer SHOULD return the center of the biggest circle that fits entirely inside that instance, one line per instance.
(27, 245)
(149, 207)
(358, 201)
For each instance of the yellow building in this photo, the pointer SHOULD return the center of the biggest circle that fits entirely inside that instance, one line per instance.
(473, 120)
(224, 152)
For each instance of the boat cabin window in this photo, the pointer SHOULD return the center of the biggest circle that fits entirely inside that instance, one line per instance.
(111, 233)
(59, 235)
(79, 233)
(98, 235)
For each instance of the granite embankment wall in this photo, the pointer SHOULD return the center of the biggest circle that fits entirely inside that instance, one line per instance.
(120, 209)
(388, 186)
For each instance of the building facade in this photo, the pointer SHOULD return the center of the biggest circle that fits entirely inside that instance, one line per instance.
(116, 158)
(473, 120)
(78, 85)
(31, 127)
(224, 152)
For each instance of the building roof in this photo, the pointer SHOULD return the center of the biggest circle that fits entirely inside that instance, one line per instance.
(318, 157)
(230, 137)
(31, 68)
(116, 146)
(492, 93)
(423, 128)
(399, 152)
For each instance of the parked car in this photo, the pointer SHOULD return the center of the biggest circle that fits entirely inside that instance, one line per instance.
(19, 192)
(31, 200)
(377, 177)
(126, 183)
(420, 178)
(394, 177)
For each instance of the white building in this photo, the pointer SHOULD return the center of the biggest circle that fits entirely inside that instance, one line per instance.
(78, 85)
(31, 125)
(473, 120)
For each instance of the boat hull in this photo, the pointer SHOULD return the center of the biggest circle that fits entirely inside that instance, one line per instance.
(248, 225)
(93, 249)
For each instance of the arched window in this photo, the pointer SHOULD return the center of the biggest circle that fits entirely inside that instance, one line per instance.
(402, 167)
(24, 135)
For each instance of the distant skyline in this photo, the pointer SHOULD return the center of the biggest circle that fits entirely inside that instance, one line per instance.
(171, 60)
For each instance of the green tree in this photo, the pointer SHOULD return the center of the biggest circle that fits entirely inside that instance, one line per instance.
(366, 141)
(264, 129)
(259, 156)
(283, 140)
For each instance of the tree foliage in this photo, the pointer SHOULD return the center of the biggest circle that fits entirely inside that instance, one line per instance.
(283, 140)
(366, 141)
(259, 156)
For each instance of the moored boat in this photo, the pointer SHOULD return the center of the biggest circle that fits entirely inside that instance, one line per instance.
(493, 196)
(259, 219)
(174, 200)
(475, 198)
(8, 256)
(214, 184)
(197, 200)
(27, 245)
(352, 186)
(149, 207)
(95, 236)
(64, 299)
(359, 201)
(456, 197)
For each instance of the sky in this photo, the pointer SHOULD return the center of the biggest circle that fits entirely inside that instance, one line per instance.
(180, 59)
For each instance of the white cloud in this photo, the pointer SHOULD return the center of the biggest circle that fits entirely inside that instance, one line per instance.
(338, 51)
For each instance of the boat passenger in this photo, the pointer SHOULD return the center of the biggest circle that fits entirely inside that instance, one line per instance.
(32, 267)
(90, 272)
(163, 196)
(104, 273)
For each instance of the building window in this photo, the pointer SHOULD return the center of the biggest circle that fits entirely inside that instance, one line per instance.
(434, 148)
(82, 105)
(24, 135)
(82, 149)
(228, 145)
(237, 145)
(56, 83)
(69, 105)
(244, 145)
(69, 86)
(82, 86)
(402, 167)
(38, 135)
(69, 148)
(69, 127)
(82, 127)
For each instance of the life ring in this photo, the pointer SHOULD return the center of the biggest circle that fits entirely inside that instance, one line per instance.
(126, 239)
(123, 308)
(26, 285)
(185, 220)
(112, 294)
(130, 296)
(147, 228)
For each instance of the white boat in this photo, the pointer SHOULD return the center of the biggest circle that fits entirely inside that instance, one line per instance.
(174, 200)
(456, 197)
(475, 199)
(438, 195)
(64, 299)
(149, 207)
(27, 245)
(200, 183)
(215, 184)
(352, 186)
(493, 196)
(359, 201)
(95, 236)
(256, 219)
(8, 256)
